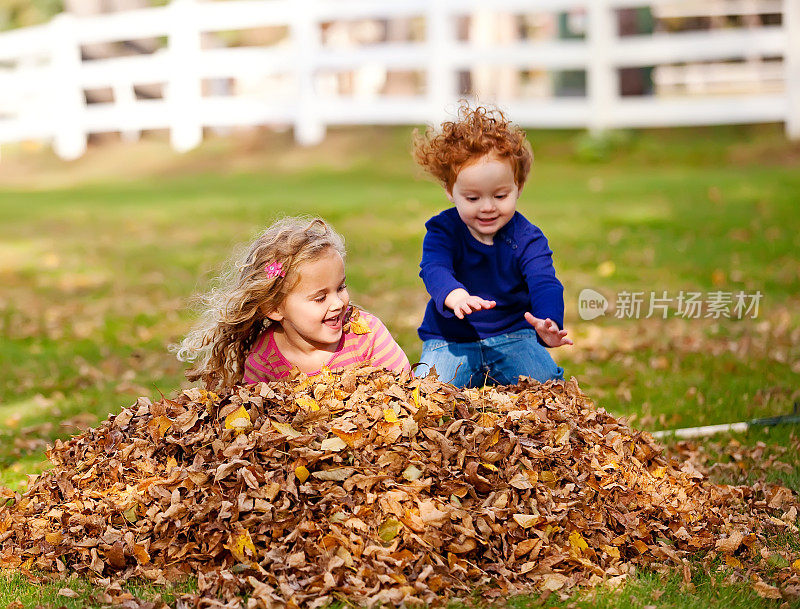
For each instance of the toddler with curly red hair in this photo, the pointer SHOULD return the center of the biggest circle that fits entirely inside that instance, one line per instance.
(496, 303)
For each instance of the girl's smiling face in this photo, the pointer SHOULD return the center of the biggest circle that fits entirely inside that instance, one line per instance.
(485, 195)
(312, 314)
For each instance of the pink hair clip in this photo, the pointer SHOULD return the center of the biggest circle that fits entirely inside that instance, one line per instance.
(275, 269)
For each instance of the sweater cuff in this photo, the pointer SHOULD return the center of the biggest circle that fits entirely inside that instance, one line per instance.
(442, 292)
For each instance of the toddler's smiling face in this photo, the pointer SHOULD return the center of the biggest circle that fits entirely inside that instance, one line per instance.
(485, 195)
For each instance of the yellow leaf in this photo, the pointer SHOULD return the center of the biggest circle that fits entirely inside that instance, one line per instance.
(796, 566)
(286, 430)
(171, 463)
(562, 434)
(390, 415)
(359, 326)
(659, 472)
(415, 395)
(325, 375)
(732, 561)
(577, 542)
(389, 529)
(489, 466)
(302, 473)
(238, 420)
(307, 403)
(612, 551)
(239, 544)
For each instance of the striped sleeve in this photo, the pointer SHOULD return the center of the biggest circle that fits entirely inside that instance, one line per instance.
(384, 350)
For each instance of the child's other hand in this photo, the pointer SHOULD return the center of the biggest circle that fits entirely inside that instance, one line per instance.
(463, 303)
(548, 331)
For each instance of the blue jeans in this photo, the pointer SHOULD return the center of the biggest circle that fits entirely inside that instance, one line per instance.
(496, 360)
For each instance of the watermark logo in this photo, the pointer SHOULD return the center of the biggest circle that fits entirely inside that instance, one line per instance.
(591, 304)
(685, 304)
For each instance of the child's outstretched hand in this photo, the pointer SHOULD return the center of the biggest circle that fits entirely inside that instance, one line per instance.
(463, 303)
(548, 331)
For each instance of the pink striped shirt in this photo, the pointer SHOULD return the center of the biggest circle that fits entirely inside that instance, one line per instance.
(265, 362)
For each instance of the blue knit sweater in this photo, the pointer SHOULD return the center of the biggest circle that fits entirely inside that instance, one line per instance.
(516, 271)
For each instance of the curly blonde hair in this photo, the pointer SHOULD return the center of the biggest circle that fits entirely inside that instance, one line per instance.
(476, 132)
(234, 313)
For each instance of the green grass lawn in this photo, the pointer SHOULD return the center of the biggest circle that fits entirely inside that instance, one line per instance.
(99, 260)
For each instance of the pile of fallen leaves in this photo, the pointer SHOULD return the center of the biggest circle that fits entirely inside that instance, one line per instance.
(374, 487)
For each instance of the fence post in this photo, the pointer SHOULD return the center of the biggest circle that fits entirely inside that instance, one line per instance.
(68, 100)
(184, 90)
(441, 77)
(309, 129)
(791, 66)
(601, 78)
(125, 98)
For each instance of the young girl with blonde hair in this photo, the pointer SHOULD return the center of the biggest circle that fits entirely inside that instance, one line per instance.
(284, 305)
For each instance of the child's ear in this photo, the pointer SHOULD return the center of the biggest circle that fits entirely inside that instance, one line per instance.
(272, 315)
(449, 194)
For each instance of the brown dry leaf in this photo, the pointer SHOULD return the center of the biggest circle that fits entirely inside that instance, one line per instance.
(562, 434)
(553, 581)
(730, 544)
(351, 438)
(732, 561)
(54, 538)
(141, 554)
(419, 492)
(764, 590)
(431, 515)
(335, 474)
(333, 444)
(68, 592)
(526, 520)
(159, 426)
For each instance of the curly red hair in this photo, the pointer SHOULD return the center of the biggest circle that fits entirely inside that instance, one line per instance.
(474, 134)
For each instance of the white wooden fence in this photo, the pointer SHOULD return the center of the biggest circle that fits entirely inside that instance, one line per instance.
(43, 78)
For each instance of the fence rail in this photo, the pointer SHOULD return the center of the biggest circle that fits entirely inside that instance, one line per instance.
(43, 77)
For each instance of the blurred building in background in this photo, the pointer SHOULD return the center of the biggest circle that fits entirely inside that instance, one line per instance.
(124, 66)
